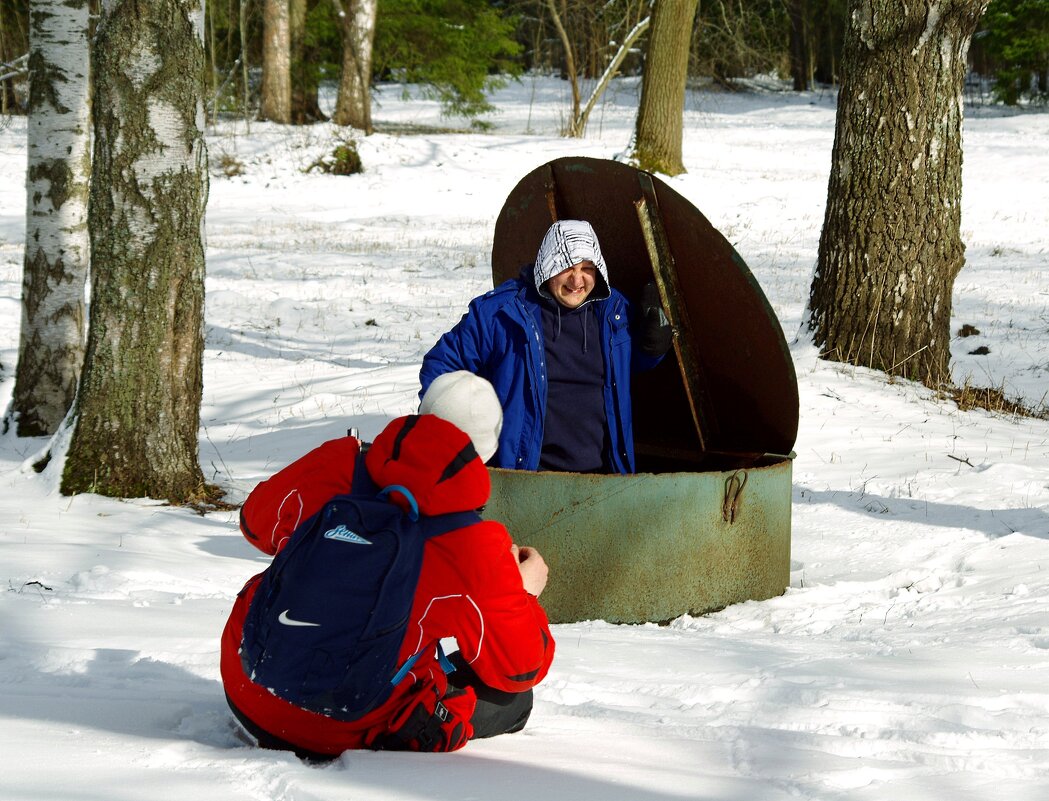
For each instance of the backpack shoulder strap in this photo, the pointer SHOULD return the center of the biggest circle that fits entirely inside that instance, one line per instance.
(441, 524)
(362, 482)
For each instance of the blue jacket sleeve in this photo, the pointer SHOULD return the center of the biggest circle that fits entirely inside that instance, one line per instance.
(465, 347)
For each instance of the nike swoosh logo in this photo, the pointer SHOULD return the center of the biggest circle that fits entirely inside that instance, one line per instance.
(287, 621)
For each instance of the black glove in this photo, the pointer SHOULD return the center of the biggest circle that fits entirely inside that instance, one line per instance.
(656, 335)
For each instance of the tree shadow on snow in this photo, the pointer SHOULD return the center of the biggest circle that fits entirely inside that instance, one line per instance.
(121, 691)
(1031, 521)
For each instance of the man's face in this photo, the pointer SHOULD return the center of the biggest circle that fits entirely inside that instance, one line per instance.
(572, 286)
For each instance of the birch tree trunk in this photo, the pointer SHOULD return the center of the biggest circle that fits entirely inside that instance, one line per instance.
(660, 117)
(138, 409)
(51, 345)
(275, 101)
(354, 104)
(891, 243)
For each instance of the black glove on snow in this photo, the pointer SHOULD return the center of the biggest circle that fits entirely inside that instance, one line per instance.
(656, 335)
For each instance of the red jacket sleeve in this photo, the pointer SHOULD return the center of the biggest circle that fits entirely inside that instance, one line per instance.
(277, 506)
(471, 589)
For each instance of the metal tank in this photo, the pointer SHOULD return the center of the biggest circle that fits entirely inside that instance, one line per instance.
(706, 521)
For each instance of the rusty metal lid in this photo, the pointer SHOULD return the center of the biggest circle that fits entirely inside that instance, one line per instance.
(727, 394)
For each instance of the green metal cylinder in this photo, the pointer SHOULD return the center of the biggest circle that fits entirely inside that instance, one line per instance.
(651, 546)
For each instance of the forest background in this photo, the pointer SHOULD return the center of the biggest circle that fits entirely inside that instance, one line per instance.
(126, 188)
(495, 40)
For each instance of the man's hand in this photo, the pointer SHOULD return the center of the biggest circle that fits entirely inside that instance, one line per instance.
(533, 569)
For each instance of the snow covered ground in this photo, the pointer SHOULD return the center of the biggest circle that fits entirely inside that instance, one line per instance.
(908, 659)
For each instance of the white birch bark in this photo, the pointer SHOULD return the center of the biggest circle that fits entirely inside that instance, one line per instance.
(138, 409)
(353, 105)
(51, 345)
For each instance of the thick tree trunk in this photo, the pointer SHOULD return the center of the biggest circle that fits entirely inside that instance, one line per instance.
(138, 410)
(354, 104)
(51, 347)
(305, 104)
(660, 117)
(891, 243)
(275, 101)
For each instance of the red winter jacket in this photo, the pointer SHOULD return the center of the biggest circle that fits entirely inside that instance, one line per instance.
(469, 588)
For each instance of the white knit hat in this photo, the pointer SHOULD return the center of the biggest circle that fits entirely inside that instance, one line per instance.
(468, 402)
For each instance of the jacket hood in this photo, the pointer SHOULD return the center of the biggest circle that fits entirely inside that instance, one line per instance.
(568, 242)
(434, 460)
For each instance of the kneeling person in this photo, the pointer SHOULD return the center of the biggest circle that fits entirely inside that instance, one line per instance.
(474, 585)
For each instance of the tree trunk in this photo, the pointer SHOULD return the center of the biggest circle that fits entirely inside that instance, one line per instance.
(891, 243)
(275, 101)
(244, 72)
(800, 55)
(827, 24)
(570, 68)
(305, 104)
(138, 409)
(660, 117)
(51, 346)
(354, 104)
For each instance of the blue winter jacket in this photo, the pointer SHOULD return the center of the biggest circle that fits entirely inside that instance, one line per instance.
(501, 339)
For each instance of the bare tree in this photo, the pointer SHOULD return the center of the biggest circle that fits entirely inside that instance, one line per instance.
(570, 63)
(660, 117)
(51, 346)
(357, 22)
(305, 104)
(137, 413)
(245, 83)
(578, 126)
(800, 49)
(275, 101)
(891, 244)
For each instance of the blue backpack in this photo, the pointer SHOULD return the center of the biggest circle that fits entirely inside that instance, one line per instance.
(328, 619)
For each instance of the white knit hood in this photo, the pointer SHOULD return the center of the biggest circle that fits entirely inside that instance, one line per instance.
(568, 242)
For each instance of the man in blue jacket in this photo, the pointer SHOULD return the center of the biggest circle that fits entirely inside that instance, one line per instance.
(559, 345)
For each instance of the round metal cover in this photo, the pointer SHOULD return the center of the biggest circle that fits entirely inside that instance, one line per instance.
(727, 394)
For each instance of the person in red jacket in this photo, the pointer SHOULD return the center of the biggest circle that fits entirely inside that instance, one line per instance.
(476, 586)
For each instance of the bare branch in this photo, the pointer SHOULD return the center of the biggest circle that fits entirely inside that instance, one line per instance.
(579, 125)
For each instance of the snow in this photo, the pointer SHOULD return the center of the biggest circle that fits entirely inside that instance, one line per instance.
(909, 657)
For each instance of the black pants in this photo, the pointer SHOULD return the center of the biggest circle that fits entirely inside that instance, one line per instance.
(497, 712)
